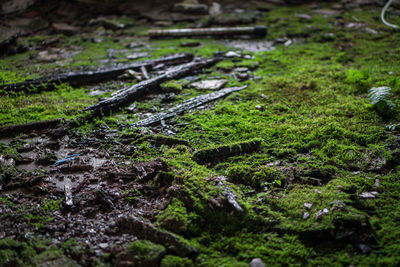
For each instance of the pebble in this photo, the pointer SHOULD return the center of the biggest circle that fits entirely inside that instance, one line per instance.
(367, 195)
(306, 215)
(209, 84)
(321, 213)
(308, 205)
(232, 54)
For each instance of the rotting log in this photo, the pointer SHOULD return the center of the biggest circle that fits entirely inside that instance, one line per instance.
(144, 229)
(218, 153)
(30, 126)
(187, 105)
(92, 76)
(126, 96)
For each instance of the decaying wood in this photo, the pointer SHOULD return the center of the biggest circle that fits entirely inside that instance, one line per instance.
(187, 105)
(144, 229)
(26, 127)
(98, 75)
(218, 153)
(129, 94)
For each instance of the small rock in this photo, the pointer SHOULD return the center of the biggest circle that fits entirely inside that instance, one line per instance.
(259, 107)
(318, 191)
(354, 25)
(103, 245)
(96, 92)
(308, 205)
(367, 195)
(257, 262)
(288, 42)
(131, 108)
(65, 28)
(321, 213)
(281, 40)
(364, 248)
(242, 76)
(304, 16)
(306, 215)
(371, 31)
(241, 69)
(232, 54)
(209, 84)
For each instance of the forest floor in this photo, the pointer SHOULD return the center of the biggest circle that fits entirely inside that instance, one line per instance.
(298, 168)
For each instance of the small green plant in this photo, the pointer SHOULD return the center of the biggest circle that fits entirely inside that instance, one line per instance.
(380, 99)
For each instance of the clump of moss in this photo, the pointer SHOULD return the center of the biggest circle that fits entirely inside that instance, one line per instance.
(141, 253)
(220, 152)
(175, 217)
(174, 85)
(175, 261)
(256, 177)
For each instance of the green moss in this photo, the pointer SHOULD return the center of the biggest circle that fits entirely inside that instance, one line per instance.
(64, 102)
(225, 65)
(222, 151)
(175, 261)
(175, 217)
(174, 85)
(142, 253)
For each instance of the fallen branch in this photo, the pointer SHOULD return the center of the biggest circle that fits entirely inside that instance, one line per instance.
(224, 151)
(30, 126)
(187, 105)
(92, 76)
(129, 94)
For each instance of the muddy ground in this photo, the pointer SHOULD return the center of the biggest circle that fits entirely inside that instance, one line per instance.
(298, 165)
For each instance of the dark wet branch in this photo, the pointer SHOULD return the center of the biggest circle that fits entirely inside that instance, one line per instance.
(187, 105)
(93, 76)
(129, 94)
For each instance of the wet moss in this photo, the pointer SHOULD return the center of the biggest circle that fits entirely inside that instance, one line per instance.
(175, 217)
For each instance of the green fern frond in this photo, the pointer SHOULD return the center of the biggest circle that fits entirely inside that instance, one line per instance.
(380, 98)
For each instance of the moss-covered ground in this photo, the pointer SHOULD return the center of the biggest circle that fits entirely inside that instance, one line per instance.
(322, 144)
